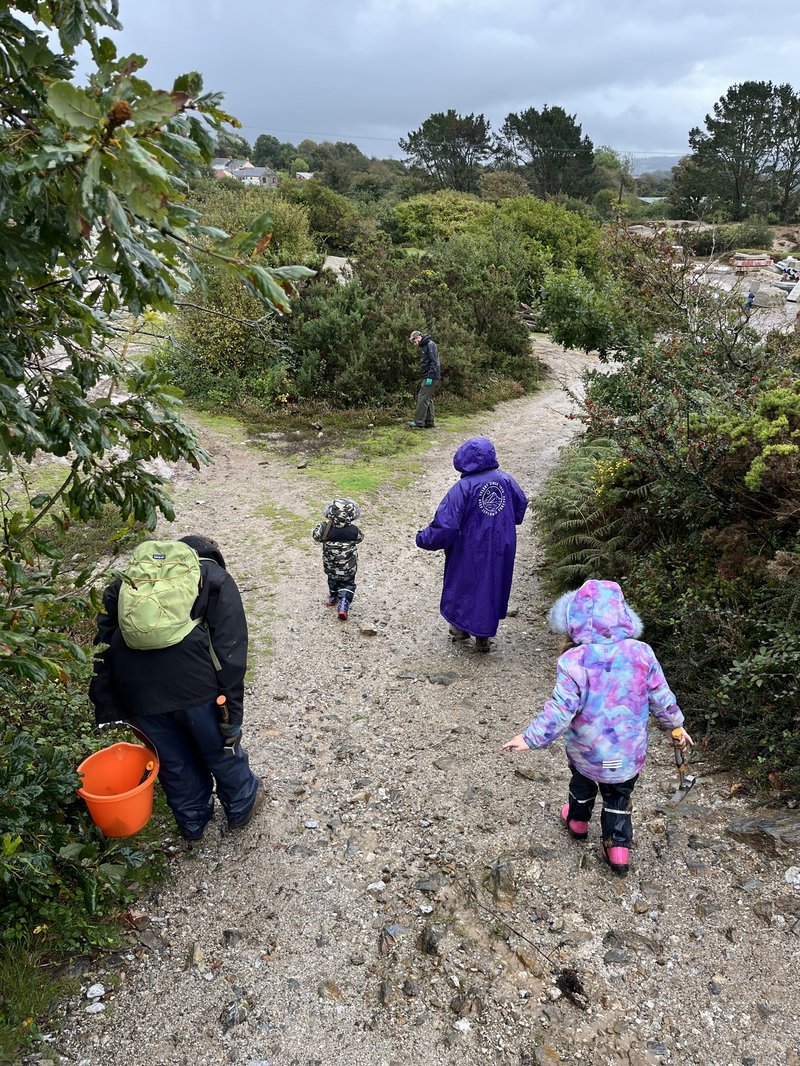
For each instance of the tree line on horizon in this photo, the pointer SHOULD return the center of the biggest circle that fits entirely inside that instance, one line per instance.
(743, 163)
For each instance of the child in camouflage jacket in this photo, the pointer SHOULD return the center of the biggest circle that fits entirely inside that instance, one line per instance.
(339, 537)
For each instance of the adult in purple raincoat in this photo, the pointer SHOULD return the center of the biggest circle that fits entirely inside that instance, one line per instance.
(475, 526)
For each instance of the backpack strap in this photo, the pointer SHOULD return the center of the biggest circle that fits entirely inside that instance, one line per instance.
(202, 621)
(214, 660)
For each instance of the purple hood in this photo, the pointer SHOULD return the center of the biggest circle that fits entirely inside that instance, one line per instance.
(475, 456)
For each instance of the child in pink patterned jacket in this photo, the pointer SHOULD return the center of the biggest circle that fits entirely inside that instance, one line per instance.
(607, 682)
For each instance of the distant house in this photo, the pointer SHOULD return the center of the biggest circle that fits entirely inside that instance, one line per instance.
(304, 175)
(244, 171)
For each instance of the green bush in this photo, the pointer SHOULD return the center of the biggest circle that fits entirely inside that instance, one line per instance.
(434, 216)
(224, 349)
(56, 869)
(716, 240)
(351, 341)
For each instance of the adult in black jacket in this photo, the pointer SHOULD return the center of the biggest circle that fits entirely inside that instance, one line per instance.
(170, 695)
(430, 373)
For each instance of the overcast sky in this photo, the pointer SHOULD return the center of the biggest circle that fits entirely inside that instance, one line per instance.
(637, 76)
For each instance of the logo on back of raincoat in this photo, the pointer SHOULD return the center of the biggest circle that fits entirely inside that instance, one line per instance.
(492, 498)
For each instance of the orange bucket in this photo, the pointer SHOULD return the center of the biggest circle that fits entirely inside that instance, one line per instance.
(118, 788)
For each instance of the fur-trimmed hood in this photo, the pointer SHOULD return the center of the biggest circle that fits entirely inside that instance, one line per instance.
(596, 613)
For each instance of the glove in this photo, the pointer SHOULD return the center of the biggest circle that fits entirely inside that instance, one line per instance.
(233, 737)
(428, 381)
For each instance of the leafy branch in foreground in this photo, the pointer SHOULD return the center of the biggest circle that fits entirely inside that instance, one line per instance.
(95, 227)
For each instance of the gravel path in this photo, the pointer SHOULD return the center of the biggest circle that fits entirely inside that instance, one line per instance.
(409, 897)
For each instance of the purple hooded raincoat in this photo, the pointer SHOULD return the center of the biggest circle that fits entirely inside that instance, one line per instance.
(475, 526)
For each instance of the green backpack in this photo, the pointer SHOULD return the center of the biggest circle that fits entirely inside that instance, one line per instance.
(155, 603)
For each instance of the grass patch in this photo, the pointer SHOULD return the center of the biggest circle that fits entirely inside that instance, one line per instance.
(294, 528)
(218, 422)
(388, 455)
(28, 989)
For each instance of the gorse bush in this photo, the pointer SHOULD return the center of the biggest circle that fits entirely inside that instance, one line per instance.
(716, 240)
(351, 341)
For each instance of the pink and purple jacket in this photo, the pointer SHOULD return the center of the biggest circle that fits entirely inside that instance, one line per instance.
(605, 687)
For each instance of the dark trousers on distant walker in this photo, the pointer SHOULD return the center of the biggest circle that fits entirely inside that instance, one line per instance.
(615, 818)
(423, 416)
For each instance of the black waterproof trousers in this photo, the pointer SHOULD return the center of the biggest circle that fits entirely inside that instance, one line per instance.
(190, 751)
(615, 818)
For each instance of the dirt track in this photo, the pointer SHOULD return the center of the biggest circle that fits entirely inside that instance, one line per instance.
(409, 896)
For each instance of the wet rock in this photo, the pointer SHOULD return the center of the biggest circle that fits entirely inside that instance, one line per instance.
(329, 990)
(195, 959)
(431, 885)
(500, 882)
(234, 1013)
(764, 909)
(430, 938)
(769, 833)
(388, 937)
(151, 940)
(447, 677)
(622, 938)
(618, 957)
(539, 851)
(695, 867)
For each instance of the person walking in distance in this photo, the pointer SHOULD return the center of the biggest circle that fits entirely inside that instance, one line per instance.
(475, 526)
(607, 683)
(430, 374)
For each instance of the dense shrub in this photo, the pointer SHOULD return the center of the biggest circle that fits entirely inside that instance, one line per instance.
(716, 240)
(572, 239)
(695, 504)
(334, 221)
(431, 217)
(223, 346)
(351, 341)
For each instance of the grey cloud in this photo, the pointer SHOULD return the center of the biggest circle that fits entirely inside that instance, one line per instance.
(634, 74)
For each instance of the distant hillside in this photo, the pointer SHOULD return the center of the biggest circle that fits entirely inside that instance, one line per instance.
(646, 164)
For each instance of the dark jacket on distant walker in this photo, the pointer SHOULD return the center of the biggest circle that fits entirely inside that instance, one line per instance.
(475, 526)
(429, 365)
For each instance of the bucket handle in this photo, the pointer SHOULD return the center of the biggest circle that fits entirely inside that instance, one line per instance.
(120, 723)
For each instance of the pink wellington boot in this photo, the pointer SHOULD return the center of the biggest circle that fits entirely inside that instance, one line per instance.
(617, 859)
(579, 830)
